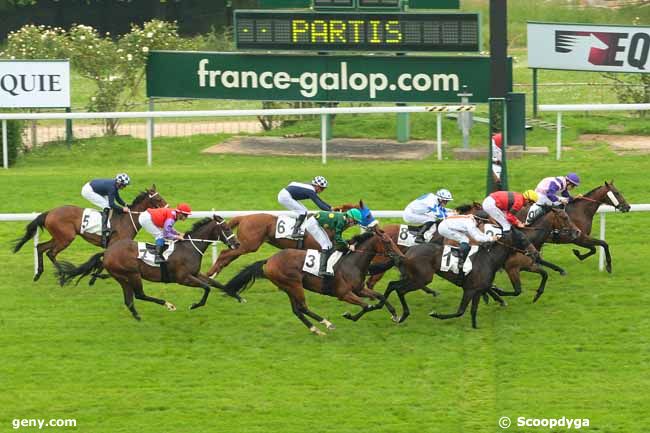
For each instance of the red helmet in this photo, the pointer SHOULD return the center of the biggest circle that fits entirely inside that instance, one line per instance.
(498, 139)
(184, 208)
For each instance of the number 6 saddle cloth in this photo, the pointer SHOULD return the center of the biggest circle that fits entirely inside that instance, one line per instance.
(284, 227)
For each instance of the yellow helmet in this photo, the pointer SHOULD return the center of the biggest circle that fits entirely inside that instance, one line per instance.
(530, 195)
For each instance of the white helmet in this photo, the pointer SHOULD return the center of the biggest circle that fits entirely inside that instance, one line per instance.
(444, 194)
(319, 181)
(123, 179)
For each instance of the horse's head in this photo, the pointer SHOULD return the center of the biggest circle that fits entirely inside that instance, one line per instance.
(386, 246)
(149, 198)
(615, 198)
(562, 225)
(223, 233)
(517, 240)
(465, 209)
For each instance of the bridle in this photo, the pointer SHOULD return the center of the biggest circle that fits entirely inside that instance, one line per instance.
(612, 198)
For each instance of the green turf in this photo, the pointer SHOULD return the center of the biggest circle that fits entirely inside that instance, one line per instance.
(75, 352)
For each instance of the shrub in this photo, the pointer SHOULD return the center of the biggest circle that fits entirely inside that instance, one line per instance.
(14, 140)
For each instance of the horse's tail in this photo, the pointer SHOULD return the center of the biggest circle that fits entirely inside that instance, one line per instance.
(30, 231)
(234, 222)
(380, 267)
(66, 271)
(245, 278)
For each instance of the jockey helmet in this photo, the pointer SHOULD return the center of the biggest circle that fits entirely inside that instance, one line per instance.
(530, 195)
(498, 140)
(444, 194)
(122, 179)
(482, 215)
(319, 181)
(184, 208)
(355, 214)
(573, 178)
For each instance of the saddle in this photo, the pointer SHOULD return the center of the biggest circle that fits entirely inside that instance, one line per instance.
(151, 248)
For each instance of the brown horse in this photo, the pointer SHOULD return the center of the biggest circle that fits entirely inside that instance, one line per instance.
(64, 224)
(253, 230)
(553, 224)
(582, 211)
(121, 261)
(284, 269)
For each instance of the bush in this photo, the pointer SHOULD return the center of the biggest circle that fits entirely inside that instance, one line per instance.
(14, 140)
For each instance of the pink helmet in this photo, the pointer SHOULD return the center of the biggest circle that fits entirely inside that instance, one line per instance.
(184, 208)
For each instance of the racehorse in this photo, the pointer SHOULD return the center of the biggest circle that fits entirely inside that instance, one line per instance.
(393, 230)
(285, 270)
(556, 223)
(253, 230)
(121, 261)
(64, 224)
(423, 260)
(582, 211)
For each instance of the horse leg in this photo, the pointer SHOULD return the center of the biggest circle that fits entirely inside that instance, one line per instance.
(431, 292)
(329, 325)
(128, 296)
(401, 294)
(538, 270)
(59, 245)
(369, 293)
(195, 281)
(515, 278)
(136, 283)
(495, 296)
(218, 285)
(299, 308)
(40, 249)
(475, 302)
(351, 298)
(372, 281)
(467, 296)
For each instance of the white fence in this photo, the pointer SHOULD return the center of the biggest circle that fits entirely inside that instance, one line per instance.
(585, 107)
(150, 115)
(377, 213)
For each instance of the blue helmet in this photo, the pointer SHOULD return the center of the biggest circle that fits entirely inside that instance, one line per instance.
(573, 178)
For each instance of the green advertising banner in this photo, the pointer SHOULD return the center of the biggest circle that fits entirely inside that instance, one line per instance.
(173, 74)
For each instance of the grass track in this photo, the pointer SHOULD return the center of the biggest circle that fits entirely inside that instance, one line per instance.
(74, 352)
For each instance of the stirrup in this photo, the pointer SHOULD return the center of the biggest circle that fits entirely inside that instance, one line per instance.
(159, 259)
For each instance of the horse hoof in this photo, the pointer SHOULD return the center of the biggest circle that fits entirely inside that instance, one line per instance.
(608, 268)
(395, 319)
(563, 273)
(136, 317)
(170, 306)
(503, 304)
(329, 325)
(316, 331)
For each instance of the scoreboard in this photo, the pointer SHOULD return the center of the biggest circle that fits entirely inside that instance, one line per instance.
(357, 31)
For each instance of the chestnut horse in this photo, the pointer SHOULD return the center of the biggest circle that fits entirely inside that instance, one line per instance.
(121, 261)
(253, 230)
(582, 211)
(64, 224)
(284, 269)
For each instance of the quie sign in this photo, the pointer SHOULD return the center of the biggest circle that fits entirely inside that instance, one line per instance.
(34, 84)
(589, 47)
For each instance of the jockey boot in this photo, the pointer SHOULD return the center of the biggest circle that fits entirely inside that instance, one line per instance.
(463, 253)
(159, 255)
(296, 227)
(419, 239)
(322, 270)
(105, 232)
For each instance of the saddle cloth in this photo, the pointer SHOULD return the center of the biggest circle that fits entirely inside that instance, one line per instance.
(406, 235)
(312, 261)
(284, 227)
(449, 262)
(147, 253)
(91, 222)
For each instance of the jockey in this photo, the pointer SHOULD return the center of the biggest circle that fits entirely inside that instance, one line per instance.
(103, 193)
(427, 210)
(462, 227)
(497, 154)
(503, 205)
(552, 191)
(337, 222)
(160, 223)
(290, 195)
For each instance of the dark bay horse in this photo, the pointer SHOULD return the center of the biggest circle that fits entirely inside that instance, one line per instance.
(284, 269)
(121, 261)
(253, 230)
(554, 224)
(64, 224)
(582, 211)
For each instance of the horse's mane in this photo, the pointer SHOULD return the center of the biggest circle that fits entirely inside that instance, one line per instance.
(593, 190)
(361, 238)
(139, 198)
(197, 225)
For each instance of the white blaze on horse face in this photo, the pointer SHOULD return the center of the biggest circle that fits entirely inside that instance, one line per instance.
(612, 198)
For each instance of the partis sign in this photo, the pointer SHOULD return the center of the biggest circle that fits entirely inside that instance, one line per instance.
(34, 84)
(589, 47)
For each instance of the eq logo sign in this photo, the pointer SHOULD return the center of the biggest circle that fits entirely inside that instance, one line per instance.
(606, 49)
(589, 48)
(30, 84)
